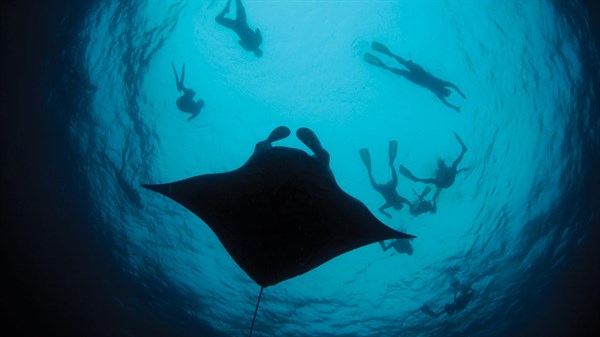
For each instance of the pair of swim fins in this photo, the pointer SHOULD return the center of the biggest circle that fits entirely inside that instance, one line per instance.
(376, 46)
(366, 156)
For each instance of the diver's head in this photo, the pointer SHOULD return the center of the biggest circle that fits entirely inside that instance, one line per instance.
(201, 103)
(445, 92)
(257, 52)
(441, 163)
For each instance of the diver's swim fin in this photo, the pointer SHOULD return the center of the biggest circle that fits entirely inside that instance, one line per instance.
(376, 46)
(373, 60)
(366, 158)
(393, 149)
(405, 172)
(425, 192)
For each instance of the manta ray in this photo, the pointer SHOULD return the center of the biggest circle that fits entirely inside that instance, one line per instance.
(282, 213)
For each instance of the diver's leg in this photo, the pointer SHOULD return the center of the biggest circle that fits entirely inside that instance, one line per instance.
(384, 50)
(373, 183)
(401, 60)
(443, 100)
(278, 133)
(240, 11)
(376, 46)
(366, 158)
(394, 175)
(176, 77)
(401, 72)
(182, 74)
(372, 59)
(308, 137)
(405, 172)
(221, 17)
(392, 151)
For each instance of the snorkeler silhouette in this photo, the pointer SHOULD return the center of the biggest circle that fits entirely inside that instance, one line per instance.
(421, 205)
(388, 191)
(249, 40)
(401, 246)
(444, 175)
(186, 102)
(463, 294)
(415, 74)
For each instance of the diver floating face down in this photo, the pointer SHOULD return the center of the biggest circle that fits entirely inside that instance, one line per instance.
(186, 103)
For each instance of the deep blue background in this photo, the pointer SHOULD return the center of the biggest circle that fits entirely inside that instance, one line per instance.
(56, 278)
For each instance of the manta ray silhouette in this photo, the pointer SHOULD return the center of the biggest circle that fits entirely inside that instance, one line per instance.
(282, 213)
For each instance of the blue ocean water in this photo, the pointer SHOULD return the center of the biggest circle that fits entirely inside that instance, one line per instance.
(507, 227)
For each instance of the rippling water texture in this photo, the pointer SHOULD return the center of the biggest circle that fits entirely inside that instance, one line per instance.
(508, 227)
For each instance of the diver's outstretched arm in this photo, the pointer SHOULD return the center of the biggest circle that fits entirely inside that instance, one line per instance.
(451, 85)
(447, 104)
(462, 152)
(460, 141)
(193, 116)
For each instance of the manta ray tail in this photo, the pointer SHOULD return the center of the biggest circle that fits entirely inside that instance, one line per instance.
(255, 311)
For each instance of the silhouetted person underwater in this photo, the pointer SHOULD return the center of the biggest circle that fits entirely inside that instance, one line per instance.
(415, 74)
(250, 40)
(186, 102)
(421, 205)
(444, 175)
(401, 246)
(463, 294)
(388, 190)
